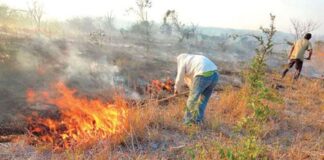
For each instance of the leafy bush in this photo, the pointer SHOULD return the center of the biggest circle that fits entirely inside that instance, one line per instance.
(249, 146)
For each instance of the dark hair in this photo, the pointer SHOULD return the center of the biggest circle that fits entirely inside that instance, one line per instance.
(308, 36)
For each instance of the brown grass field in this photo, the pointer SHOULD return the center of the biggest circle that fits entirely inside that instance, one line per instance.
(294, 132)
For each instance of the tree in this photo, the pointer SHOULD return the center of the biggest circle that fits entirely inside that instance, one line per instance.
(109, 24)
(109, 21)
(143, 26)
(36, 11)
(300, 28)
(184, 32)
(141, 10)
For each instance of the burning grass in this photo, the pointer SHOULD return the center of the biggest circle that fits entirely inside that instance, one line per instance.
(80, 120)
(158, 89)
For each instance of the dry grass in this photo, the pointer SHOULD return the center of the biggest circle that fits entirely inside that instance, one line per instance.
(229, 106)
(156, 131)
(299, 128)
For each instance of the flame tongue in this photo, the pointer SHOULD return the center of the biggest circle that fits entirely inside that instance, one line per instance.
(81, 120)
(158, 86)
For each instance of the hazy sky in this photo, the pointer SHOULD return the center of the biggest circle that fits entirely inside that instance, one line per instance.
(242, 14)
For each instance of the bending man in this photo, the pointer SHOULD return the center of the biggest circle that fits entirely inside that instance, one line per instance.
(200, 74)
(296, 55)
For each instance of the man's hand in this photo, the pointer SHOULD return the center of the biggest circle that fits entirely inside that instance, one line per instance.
(310, 54)
(175, 92)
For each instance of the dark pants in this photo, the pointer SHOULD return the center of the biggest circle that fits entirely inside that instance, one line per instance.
(298, 65)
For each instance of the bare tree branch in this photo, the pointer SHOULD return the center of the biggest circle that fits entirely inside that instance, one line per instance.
(184, 31)
(109, 20)
(36, 11)
(300, 28)
(141, 10)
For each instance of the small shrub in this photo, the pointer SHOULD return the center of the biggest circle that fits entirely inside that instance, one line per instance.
(249, 146)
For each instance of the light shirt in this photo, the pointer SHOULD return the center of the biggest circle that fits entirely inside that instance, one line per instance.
(300, 46)
(190, 66)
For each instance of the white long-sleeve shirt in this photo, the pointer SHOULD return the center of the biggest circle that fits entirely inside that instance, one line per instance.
(190, 66)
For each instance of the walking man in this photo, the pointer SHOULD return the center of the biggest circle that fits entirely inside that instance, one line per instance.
(297, 53)
(201, 76)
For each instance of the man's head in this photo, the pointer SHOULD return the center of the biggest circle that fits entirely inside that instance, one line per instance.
(308, 36)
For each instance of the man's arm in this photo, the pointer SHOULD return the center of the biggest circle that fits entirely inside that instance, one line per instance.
(310, 54)
(291, 51)
(180, 76)
(310, 51)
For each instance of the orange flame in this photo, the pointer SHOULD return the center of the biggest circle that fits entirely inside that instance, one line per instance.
(158, 86)
(81, 120)
(158, 89)
(30, 95)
